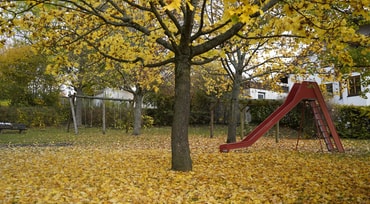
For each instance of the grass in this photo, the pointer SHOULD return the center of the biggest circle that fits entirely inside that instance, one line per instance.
(160, 136)
(89, 136)
(92, 136)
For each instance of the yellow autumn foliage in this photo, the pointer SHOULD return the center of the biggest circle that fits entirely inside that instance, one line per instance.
(137, 170)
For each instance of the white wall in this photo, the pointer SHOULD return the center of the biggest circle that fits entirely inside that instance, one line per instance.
(253, 94)
(114, 94)
(344, 99)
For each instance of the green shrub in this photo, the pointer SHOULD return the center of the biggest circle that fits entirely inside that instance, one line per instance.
(261, 109)
(353, 121)
(36, 116)
(147, 121)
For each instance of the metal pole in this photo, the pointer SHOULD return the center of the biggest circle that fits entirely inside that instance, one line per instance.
(103, 104)
(73, 114)
(277, 132)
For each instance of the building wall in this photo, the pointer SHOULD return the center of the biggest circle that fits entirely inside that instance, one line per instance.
(254, 93)
(342, 98)
(113, 94)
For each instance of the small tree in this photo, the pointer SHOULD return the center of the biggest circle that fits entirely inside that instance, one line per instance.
(23, 80)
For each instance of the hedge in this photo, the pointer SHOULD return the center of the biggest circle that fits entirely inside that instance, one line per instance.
(350, 121)
(353, 121)
(36, 116)
(45, 116)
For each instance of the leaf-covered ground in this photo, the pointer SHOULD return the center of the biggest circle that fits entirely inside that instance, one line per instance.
(137, 170)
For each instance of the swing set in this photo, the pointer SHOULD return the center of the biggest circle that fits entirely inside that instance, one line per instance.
(305, 91)
(103, 106)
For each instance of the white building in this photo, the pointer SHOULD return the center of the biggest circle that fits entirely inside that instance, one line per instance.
(118, 96)
(348, 93)
(254, 93)
(114, 95)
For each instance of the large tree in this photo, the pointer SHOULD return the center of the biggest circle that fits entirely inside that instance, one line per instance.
(256, 61)
(182, 30)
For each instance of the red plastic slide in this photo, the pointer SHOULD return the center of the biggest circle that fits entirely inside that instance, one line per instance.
(300, 91)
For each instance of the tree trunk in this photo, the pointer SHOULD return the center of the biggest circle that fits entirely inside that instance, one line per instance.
(242, 122)
(212, 117)
(211, 128)
(79, 104)
(234, 108)
(181, 160)
(137, 112)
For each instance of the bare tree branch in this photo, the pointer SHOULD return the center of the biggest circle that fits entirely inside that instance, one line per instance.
(212, 43)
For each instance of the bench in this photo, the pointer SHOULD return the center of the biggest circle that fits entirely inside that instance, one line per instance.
(12, 126)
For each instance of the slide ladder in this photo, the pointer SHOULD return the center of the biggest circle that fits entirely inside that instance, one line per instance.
(321, 125)
(300, 91)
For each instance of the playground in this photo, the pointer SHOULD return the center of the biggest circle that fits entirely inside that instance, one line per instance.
(305, 91)
(53, 166)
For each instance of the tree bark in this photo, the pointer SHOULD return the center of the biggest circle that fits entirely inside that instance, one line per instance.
(212, 117)
(234, 108)
(242, 122)
(181, 160)
(211, 128)
(137, 112)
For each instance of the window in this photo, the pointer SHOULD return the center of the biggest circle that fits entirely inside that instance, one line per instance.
(285, 89)
(354, 86)
(329, 89)
(261, 95)
(284, 80)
